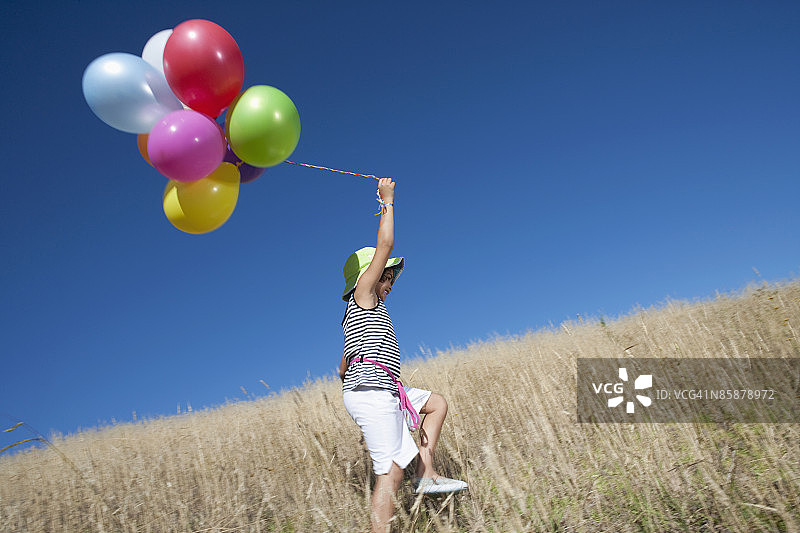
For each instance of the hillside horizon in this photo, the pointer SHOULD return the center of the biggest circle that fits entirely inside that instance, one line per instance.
(423, 354)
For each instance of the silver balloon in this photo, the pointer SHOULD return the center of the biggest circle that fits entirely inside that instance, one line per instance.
(153, 51)
(127, 93)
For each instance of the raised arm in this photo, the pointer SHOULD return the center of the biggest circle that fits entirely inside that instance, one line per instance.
(364, 293)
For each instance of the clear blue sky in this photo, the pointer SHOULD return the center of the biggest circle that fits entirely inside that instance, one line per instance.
(551, 158)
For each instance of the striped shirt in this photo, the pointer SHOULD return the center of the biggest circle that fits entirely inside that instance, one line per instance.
(369, 333)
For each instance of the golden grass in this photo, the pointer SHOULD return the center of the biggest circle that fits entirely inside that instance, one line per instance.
(294, 461)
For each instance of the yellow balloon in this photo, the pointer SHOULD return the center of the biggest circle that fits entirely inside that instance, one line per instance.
(204, 205)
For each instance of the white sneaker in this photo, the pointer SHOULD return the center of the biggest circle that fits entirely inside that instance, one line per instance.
(440, 484)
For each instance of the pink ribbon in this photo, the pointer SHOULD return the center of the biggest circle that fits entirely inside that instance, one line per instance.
(410, 414)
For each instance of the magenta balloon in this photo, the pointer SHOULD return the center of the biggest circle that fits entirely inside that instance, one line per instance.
(186, 145)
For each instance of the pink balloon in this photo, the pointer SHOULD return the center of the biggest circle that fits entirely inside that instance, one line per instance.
(186, 145)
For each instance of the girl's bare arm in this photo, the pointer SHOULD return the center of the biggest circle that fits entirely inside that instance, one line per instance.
(364, 295)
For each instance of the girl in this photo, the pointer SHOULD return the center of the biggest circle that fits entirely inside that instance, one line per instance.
(370, 369)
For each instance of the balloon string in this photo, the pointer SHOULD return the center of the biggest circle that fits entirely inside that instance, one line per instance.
(332, 169)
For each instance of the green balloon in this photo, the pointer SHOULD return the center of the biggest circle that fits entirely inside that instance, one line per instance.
(263, 126)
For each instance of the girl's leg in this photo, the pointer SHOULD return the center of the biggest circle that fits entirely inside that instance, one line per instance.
(386, 486)
(435, 410)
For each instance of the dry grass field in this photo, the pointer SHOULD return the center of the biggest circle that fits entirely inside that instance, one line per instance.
(294, 461)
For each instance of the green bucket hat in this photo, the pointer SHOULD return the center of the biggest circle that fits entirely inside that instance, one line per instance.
(357, 264)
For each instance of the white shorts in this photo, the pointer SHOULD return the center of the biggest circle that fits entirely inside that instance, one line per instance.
(377, 413)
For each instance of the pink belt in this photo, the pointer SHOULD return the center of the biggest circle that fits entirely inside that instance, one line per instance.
(409, 413)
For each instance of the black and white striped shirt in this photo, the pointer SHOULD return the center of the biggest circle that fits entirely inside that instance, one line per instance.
(369, 333)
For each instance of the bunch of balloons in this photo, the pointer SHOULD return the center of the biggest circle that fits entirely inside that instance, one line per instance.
(171, 97)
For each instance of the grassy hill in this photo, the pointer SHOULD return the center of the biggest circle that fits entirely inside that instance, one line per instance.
(295, 461)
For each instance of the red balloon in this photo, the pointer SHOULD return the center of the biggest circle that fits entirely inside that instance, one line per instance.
(203, 66)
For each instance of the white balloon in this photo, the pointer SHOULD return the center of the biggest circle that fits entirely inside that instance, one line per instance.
(153, 51)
